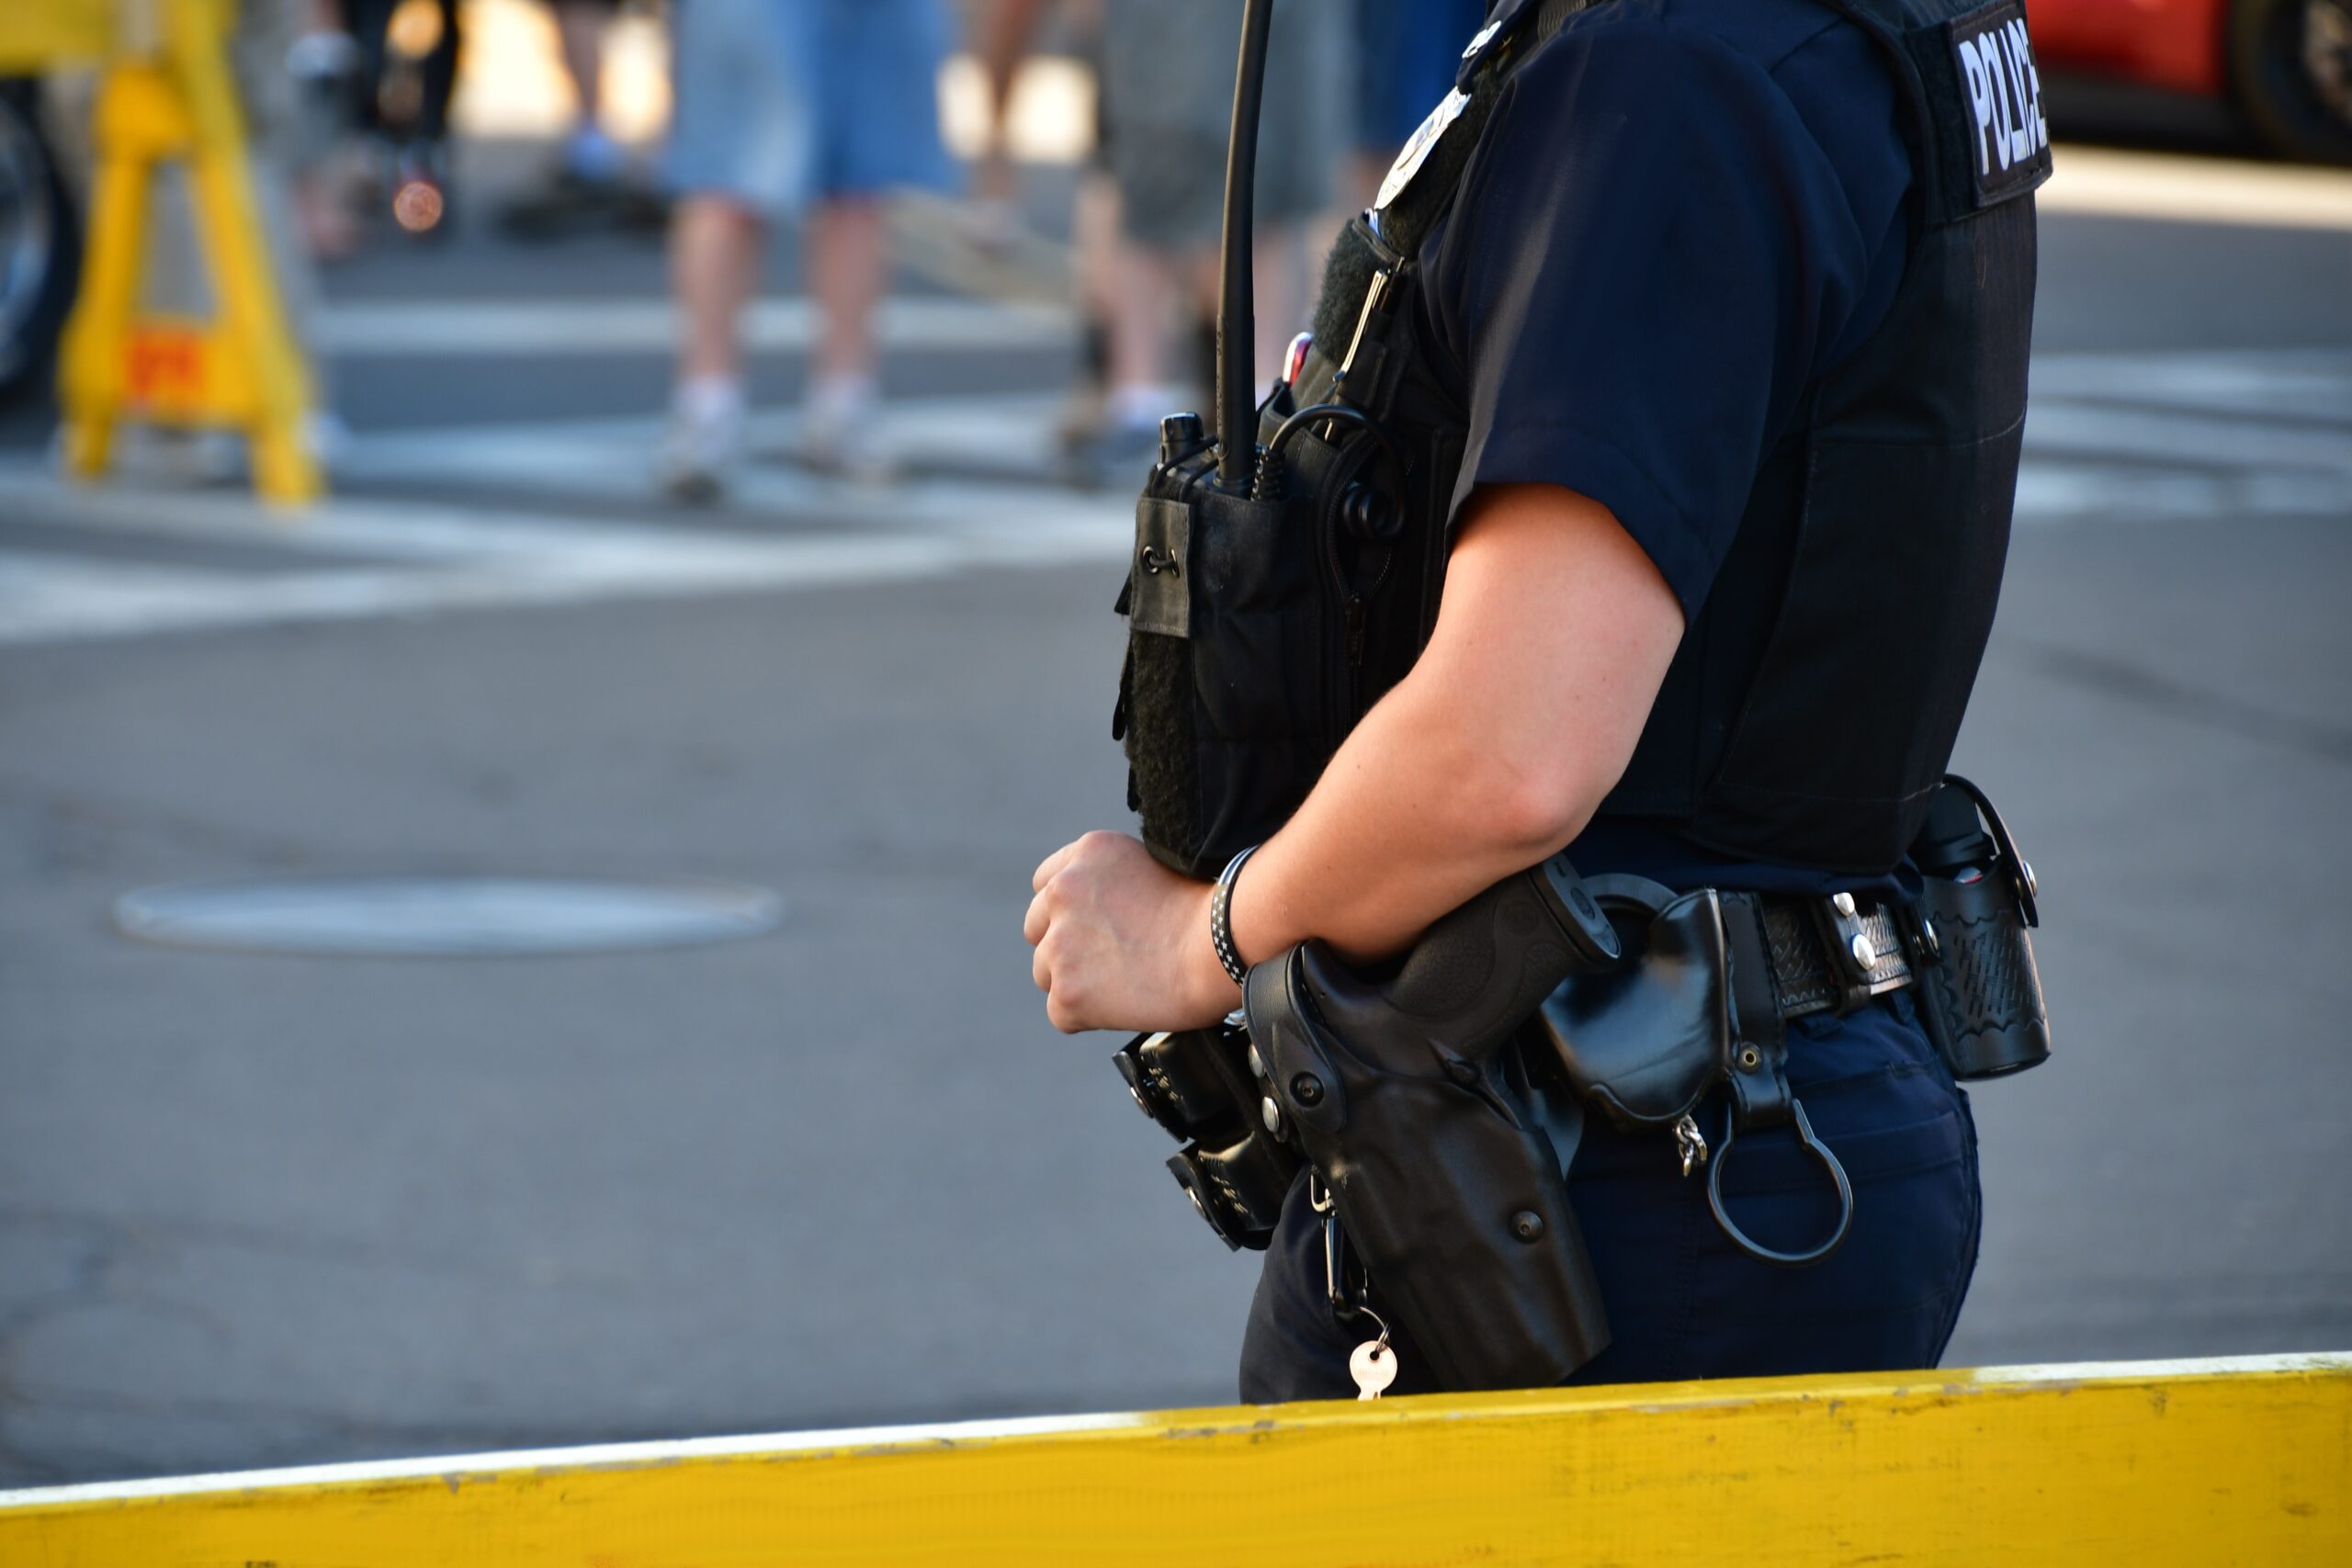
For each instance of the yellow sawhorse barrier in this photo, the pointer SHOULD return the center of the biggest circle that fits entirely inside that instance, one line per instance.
(165, 95)
(2208, 1462)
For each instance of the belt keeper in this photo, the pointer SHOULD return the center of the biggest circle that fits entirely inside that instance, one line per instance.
(1758, 1081)
(1839, 919)
(1759, 1015)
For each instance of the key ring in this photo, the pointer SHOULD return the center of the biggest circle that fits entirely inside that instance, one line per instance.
(1757, 1249)
(1347, 1296)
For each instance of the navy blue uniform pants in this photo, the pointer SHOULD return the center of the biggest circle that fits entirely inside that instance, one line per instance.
(1683, 1300)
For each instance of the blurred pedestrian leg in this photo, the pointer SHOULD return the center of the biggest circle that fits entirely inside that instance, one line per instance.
(741, 147)
(848, 258)
(874, 68)
(1168, 93)
(407, 74)
(325, 62)
(792, 107)
(716, 247)
(588, 183)
(589, 154)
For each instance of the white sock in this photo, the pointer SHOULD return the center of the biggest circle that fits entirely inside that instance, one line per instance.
(709, 399)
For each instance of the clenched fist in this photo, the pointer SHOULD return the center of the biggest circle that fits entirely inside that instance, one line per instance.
(1123, 942)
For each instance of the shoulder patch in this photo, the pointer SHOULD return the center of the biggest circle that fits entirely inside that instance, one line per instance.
(2000, 94)
(1418, 146)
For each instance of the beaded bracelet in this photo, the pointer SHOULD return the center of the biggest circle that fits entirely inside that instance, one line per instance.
(1221, 919)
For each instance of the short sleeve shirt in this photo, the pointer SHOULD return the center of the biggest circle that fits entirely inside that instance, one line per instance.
(1679, 213)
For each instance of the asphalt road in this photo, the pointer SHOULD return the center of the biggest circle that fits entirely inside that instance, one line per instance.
(264, 1209)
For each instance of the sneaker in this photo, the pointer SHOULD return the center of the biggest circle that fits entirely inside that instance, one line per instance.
(700, 453)
(841, 431)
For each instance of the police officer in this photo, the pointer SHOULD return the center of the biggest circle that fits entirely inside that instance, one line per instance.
(1732, 300)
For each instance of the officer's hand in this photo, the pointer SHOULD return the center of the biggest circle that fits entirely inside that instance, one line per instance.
(1123, 942)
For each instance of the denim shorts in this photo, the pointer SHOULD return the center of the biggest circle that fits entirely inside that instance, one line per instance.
(1166, 98)
(779, 103)
(1683, 1302)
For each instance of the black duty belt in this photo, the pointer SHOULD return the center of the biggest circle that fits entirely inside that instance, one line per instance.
(1829, 953)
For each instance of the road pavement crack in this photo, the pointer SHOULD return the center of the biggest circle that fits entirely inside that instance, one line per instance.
(83, 831)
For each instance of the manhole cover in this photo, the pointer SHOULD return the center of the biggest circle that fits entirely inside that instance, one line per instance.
(446, 915)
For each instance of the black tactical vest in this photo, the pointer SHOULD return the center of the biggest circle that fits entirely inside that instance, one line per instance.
(1810, 712)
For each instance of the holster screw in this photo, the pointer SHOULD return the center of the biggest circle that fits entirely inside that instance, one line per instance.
(1527, 1224)
(1307, 1089)
(1750, 1058)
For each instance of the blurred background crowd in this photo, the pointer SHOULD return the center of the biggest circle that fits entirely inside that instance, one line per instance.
(874, 132)
(862, 128)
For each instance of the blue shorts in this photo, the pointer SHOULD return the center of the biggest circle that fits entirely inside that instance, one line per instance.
(780, 103)
(1683, 1302)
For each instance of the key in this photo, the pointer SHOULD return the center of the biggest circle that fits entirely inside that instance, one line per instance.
(1373, 1366)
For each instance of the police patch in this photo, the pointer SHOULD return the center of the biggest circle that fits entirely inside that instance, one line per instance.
(1418, 147)
(2008, 139)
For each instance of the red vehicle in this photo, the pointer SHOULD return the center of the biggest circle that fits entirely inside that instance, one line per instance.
(2287, 64)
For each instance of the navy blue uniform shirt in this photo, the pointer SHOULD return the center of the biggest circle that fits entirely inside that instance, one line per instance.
(1680, 214)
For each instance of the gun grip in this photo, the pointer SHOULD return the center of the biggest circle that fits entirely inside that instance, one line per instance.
(1481, 970)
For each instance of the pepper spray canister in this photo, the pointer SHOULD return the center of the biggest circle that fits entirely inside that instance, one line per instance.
(1979, 989)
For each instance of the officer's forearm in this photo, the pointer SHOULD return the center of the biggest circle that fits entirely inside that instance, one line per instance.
(1408, 822)
(1554, 636)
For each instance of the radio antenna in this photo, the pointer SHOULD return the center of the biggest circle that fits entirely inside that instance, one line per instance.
(1237, 326)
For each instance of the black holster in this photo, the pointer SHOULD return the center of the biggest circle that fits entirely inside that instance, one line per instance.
(1407, 1098)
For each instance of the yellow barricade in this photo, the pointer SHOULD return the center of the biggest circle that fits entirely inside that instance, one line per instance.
(2207, 1462)
(165, 95)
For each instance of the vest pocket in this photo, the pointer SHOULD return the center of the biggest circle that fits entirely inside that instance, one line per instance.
(1225, 701)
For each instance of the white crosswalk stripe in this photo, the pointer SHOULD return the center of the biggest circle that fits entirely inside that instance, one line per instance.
(382, 555)
(2173, 437)
(411, 329)
(2122, 439)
